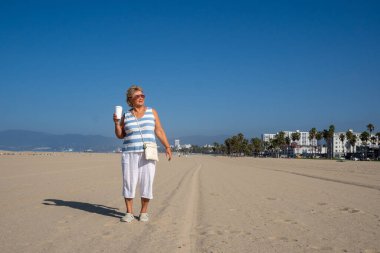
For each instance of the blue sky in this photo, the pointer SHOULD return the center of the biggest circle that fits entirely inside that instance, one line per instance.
(208, 67)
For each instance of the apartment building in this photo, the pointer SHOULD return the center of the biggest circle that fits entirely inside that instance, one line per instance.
(340, 148)
(303, 141)
(304, 145)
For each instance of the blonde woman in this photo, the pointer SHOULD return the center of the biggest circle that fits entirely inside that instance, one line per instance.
(136, 169)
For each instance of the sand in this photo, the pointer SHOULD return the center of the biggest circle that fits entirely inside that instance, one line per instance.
(71, 202)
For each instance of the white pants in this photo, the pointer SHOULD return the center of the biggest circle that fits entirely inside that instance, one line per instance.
(137, 170)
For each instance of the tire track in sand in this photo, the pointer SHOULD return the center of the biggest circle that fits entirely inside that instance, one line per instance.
(175, 220)
(375, 187)
(187, 232)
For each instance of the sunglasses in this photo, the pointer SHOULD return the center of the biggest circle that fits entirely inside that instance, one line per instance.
(138, 96)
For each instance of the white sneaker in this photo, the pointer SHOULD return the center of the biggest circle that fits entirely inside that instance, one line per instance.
(144, 217)
(128, 218)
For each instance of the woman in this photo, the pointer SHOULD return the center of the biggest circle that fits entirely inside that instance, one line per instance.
(136, 169)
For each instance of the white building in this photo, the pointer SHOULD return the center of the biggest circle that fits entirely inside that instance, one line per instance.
(304, 145)
(176, 144)
(267, 137)
(186, 146)
(339, 148)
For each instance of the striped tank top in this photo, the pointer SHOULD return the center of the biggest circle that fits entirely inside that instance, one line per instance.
(132, 140)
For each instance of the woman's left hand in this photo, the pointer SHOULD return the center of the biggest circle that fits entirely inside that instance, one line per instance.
(168, 153)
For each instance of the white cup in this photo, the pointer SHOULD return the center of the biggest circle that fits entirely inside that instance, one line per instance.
(118, 111)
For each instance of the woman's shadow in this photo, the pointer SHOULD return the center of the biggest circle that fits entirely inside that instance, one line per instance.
(92, 208)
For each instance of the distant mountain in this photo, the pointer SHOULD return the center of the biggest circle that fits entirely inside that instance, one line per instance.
(19, 140)
(24, 140)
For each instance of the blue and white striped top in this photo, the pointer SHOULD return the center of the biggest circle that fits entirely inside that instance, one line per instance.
(132, 140)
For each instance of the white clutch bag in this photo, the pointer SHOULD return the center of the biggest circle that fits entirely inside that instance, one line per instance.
(150, 150)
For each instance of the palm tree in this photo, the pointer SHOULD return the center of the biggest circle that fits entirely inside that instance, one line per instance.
(370, 128)
(242, 145)
(331, 139)
(326, 138)
(228, 144)
(341, 138)
(273, 145)
(353, 141)
(235, 145)
(312, 134)
(349, 135)
(216, 147)
(246, 149)
(296, 136)
(287, 141)
(223, 149)
(364, 137)
(281, 140)
(319, 136)
(328, 135)
(266, 145)
(257, 145)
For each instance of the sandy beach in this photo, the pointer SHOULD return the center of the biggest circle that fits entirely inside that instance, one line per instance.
(71, 202)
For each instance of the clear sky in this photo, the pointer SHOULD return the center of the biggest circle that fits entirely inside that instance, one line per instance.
(208, 67)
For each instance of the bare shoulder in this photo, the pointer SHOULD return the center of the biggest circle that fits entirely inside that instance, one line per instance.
(154, 112)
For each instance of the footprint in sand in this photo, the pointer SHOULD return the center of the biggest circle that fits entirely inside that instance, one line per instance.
(111, 223)
(349, 210)
(106, 234)
(63, 226)
(208, 233)
(275, 238)
(370, 251)
(287, 221)
(312, 211)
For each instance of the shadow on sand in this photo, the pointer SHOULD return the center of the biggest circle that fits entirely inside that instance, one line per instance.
(88, 207)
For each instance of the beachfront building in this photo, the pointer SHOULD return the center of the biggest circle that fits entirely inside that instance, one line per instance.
(301, 146)
(303, 141)
(177, 144)
(186, 146)
(267, 137)
(340, 149)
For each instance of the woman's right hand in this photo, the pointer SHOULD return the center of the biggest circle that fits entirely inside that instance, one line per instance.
(119, 131)
(115, 119)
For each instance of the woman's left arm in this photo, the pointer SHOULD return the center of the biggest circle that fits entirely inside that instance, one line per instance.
(159, 131)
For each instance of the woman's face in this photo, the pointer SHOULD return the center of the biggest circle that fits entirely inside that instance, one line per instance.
(138, 99)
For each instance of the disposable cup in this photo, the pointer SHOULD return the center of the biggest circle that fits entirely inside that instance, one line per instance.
(118, 111)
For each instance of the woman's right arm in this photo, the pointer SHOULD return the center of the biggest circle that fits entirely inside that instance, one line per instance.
(119, 128)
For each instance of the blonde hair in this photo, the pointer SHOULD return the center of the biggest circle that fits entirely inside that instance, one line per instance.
(131, 90)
